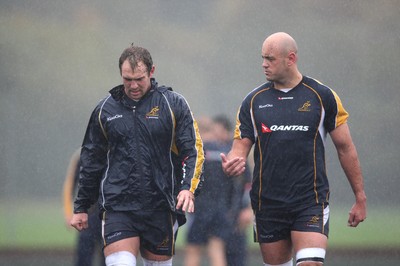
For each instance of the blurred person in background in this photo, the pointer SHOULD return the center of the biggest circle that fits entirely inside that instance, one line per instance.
(222, 210)
(89, 242)
(236, 243)
(127, 165)
(287, 119)
(206, 227)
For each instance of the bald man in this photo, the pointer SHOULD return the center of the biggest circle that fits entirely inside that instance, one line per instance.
(287, 119)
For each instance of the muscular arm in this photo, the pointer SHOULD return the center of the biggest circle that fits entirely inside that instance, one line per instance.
(234, 163)
(348, 158)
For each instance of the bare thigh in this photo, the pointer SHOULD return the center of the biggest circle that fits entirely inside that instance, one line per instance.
(216, 251)
(155, 257)
(277, 252)
(193, 255)
(308, 240)
(131, 244)
(282, 251)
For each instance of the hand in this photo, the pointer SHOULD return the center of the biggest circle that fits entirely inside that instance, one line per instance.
(79, 221)
(185, 201)
(67, 221)
(357, 214)
(233, 167)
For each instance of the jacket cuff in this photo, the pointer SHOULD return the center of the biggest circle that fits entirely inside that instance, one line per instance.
(80, 211)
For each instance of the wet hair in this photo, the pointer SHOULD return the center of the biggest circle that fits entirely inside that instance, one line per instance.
(136, 54)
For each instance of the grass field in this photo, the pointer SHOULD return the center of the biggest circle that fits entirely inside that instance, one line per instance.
(40, 225)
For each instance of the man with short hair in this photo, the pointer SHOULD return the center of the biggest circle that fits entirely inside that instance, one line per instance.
(127, 161)
(287, 119)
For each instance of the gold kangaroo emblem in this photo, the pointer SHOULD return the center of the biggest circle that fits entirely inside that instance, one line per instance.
(154, 111)
(305, 107)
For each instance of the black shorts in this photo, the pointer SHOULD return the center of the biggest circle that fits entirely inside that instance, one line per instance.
(274, 225)
(157, 230)
(206, 225)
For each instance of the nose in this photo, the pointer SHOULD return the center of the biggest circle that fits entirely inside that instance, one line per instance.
(265, 63)
(133, 85)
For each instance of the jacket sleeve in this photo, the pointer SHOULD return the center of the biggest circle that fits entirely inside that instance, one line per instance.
(190, 146)
(93, 161)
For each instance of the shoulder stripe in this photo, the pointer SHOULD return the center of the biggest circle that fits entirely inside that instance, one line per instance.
(199, 160)
(99, 118)
(342, 115)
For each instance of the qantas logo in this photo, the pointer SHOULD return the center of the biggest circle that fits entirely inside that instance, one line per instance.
(266, 129)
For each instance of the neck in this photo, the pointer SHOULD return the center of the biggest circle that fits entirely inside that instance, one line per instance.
(290, 82)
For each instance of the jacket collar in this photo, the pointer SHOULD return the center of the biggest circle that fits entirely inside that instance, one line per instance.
(118, 94)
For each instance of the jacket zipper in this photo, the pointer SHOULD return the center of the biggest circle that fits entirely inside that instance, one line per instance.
(138, 160)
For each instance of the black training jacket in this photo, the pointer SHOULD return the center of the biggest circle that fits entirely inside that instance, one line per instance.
(127, 152)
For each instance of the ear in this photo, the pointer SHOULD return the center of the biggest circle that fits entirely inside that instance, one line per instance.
(292, 58)
(151, 72)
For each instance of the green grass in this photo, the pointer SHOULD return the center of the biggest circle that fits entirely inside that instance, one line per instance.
(34, 224)
(380, 229)
(40, 225)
